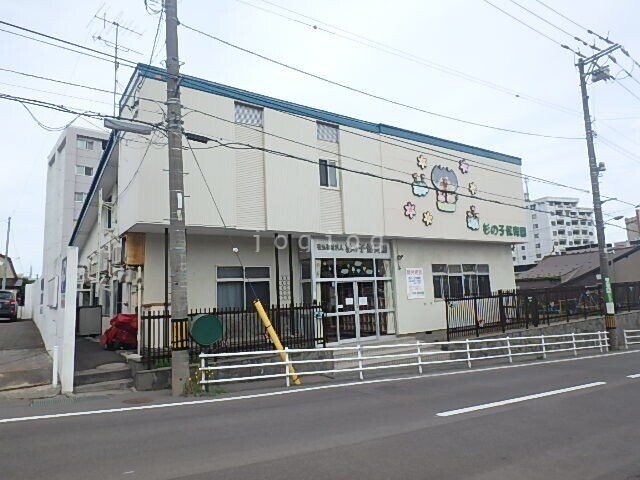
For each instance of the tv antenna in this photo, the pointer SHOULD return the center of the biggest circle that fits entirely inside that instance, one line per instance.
(113, 26)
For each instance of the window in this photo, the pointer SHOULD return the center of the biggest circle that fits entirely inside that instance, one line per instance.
(524, 257)
(454, 281)
(522, 247)
(328, 133)
(537, 245)
(536, 235)
(561, 232)
(584, 232)
(534, 216)
(576, 232)
(85, 171)
(553, 223)
(563, 242)
(83, 143)
(538, 255)
(238, 287)
(535, 225)
(560, 222)
(554, 233)
(328, 173)
(249, 115)
(79, 197)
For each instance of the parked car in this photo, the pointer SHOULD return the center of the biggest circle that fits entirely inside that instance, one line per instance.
(8, 305)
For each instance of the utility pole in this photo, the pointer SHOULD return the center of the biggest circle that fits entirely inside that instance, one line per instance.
(177, 233)
(5, 265)
(598, 73)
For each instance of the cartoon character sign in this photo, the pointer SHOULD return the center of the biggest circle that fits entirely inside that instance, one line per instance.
(419, 185)
(473, 220)
(446, 183)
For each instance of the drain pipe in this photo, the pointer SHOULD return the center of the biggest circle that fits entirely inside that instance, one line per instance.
(139, 308)
(54, 374)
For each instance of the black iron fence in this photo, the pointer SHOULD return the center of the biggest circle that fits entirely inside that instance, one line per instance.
(514, 309)
(298, 326)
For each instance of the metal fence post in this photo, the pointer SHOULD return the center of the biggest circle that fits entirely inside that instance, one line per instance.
(286, 366)
(509, 350)
(360, 363)
(544, 350)
(419, 357)
(475, 312)
(573, 339)
(502, 313)
(468, 354)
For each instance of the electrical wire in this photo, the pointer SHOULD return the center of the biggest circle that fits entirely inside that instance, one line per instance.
(548, 37)
(400, 143)
(390, 50)
(109, 57)
(373, 95)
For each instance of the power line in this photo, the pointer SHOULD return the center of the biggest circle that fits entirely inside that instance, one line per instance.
(372, 95)
(397, 142)
(548, 37)
(391, 50)
(109, 56)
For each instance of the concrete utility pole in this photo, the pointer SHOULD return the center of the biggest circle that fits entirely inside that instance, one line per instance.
(5, 265)
(177, 234)
(598, 73)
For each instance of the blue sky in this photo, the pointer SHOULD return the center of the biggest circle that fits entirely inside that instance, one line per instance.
(469, 36)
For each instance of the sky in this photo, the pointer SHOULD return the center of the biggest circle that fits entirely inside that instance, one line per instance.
(423, 40)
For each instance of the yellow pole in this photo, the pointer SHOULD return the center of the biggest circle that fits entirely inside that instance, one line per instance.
(274, 336)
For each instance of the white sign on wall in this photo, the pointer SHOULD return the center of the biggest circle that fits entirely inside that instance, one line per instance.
(415, 283)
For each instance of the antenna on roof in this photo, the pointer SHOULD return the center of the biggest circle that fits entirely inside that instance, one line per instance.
(109, 26)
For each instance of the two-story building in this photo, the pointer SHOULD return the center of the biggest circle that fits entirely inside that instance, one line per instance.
(375, 223)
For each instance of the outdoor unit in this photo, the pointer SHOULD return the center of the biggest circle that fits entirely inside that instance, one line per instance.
(89, 320)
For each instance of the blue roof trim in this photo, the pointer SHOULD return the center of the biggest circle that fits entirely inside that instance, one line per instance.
(94, 185)
(322, 115)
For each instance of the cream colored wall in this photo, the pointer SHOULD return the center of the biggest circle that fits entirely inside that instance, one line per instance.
(370, 206)
(428, 314)
(205, 253)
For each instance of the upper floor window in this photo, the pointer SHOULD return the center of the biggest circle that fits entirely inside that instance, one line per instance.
(79, 197)
(249, 115)
(83, 170)
(84, 143)
(328, 133)
(328, 173)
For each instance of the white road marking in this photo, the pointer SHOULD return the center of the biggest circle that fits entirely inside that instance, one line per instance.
(302, 390)
(518, 399)
(636, 375)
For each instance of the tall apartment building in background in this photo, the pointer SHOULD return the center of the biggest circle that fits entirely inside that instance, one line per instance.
(632, 224)
(554, 224)
(70, 169)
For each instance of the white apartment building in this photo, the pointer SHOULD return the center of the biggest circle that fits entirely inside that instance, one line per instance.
(71, 167)
(374, 223)
(632, 224)
(555, 224)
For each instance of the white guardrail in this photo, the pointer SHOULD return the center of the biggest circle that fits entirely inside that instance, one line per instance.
(469, 351)
(631, 337)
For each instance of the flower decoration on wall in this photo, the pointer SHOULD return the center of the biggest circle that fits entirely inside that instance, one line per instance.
(427, 218)
(463, 165)
(422, 161)
(473, 220)
(473, 188)
(410, 210)
(419, 185)
(446, 183)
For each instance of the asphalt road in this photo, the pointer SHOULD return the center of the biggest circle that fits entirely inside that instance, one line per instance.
(384, 430)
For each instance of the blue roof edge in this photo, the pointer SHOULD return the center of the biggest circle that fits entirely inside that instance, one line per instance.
(208, 86)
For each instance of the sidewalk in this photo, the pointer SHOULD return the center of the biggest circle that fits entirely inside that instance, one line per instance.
(24, 362)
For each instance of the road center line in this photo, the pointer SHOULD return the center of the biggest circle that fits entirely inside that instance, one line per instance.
(636, 375)
(518, 399)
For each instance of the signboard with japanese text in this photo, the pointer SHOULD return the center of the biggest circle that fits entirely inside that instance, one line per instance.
(415, 283)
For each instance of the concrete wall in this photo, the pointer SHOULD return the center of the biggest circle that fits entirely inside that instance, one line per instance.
(428, 314)
(291, 198)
